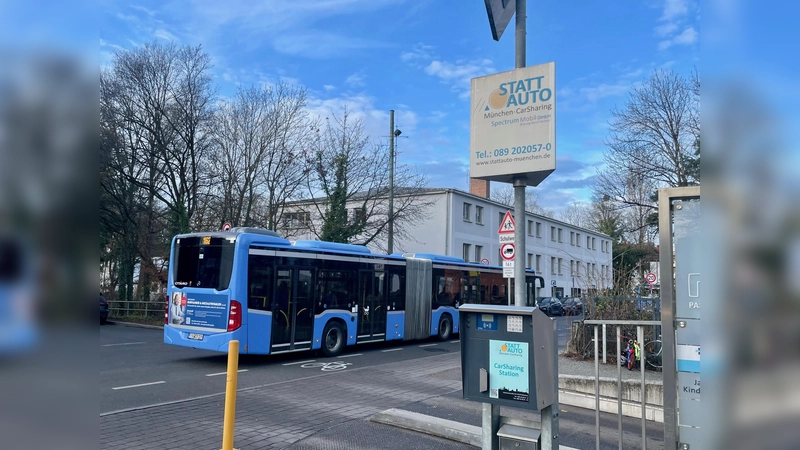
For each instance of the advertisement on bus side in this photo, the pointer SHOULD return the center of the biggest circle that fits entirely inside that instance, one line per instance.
(198, 311)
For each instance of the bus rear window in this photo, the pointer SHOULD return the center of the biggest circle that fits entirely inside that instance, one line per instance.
(203, 262)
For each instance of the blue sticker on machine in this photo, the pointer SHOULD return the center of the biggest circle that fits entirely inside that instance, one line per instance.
(487, 322)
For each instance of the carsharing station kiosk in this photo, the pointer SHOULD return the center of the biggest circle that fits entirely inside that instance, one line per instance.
(508, 358)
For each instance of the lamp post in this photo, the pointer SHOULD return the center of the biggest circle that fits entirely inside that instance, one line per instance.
(393, 134)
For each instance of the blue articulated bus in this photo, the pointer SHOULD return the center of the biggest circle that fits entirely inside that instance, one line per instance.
(276, 296)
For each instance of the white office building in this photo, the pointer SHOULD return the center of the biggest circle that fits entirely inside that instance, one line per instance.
(572, 260)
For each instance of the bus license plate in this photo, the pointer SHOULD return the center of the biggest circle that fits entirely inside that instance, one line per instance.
(196, 336)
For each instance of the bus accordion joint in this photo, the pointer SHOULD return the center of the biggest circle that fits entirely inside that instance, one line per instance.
(235, 316)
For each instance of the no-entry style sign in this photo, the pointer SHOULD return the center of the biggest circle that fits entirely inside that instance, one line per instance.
(507, 251)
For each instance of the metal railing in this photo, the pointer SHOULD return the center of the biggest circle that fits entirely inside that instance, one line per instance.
(639, 324)
(121, 308)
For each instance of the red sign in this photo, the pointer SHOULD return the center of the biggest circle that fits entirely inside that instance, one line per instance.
(485, 261)
(650, 277)
(507, 225)
(507, 252)
(226, 227)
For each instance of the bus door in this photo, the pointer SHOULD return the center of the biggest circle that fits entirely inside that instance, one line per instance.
(371, 306)
(293, 309)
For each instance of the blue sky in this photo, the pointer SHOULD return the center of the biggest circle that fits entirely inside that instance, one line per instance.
(418, 56)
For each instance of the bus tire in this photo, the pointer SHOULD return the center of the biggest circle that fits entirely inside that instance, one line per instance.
(445, 327)
(333, 339)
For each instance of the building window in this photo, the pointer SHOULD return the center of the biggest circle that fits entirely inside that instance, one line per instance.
(359, 215)
(478, 251)
(594, 244)
(553, 234)
(538, 229)
(572, 267)
(465, 255)
(296, 219)
(538, 263)
(559, 235)
(552, 265)
(467, 212)
(571, 238)
(588, 242)
(530, 228)
(479, 215)
(530, 260)
(559, 266)
(578, 240)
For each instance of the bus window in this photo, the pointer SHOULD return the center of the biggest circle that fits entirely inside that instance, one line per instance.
(259, 282)
(199, 265)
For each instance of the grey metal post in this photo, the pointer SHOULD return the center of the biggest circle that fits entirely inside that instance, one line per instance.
(522, 18)
(391, 182)
(605, 352)
(640, 338)
(550, 413)
(669, 369)
(519, 183)
(619, 385)
(596, 390)
(490, 423)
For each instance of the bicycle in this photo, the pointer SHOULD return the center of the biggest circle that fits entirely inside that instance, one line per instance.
(327, 366)
(652, 353)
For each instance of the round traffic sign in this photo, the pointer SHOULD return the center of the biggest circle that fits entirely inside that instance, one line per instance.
(485, 261)
(650, 277)
(226, 226)
(507, 251)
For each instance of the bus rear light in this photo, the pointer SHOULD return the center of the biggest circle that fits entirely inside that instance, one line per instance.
(235, 316)
(166, 309)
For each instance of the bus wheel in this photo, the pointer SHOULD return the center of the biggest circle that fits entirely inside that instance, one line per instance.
(445, 327)
(333, 339)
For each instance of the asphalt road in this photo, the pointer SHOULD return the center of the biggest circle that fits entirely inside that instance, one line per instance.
(150, 389)
(138, 369)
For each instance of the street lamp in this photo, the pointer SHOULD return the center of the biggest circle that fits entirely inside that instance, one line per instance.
(393, 134)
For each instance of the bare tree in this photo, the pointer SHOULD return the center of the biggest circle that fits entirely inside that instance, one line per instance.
(505, 195)
(654, 133)
(576, 214)
(262, 139)
(349, 187)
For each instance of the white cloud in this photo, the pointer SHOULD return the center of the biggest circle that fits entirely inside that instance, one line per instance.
(689, 37)
(595, 93)
(320, 44)
(355, 80)
(666, 29)
(674, 9)
(460, 73)
(164, 34)
(329, 87)
(421, 52)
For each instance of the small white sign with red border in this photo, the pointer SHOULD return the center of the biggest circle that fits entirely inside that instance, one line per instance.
(650, 277)
(507, 251)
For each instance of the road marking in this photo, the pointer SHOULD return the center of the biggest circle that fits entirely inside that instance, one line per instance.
(428, 345)
(349, 356)
(299, 362)
(225, 373)
(391, 350)
(138, 385)
(123, 343)
(455, 342)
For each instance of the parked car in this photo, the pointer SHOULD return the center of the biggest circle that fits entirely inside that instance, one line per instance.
(573, 306)
(550, 306)
(103, 310)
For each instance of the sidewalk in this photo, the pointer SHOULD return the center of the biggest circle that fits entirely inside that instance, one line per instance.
(332, 411)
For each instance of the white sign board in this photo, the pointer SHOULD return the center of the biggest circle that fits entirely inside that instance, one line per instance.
(508, 269)
(513, 125)
(506, 238)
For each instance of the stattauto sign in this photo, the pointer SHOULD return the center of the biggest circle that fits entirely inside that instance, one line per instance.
(513, 125)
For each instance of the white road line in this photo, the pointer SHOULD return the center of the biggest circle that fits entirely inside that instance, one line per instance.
(391, 350)
(349, 356)
(299, 362)
(224, 373)
(123, 343)
(428, 345)
(138, 385)
(455, 342)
